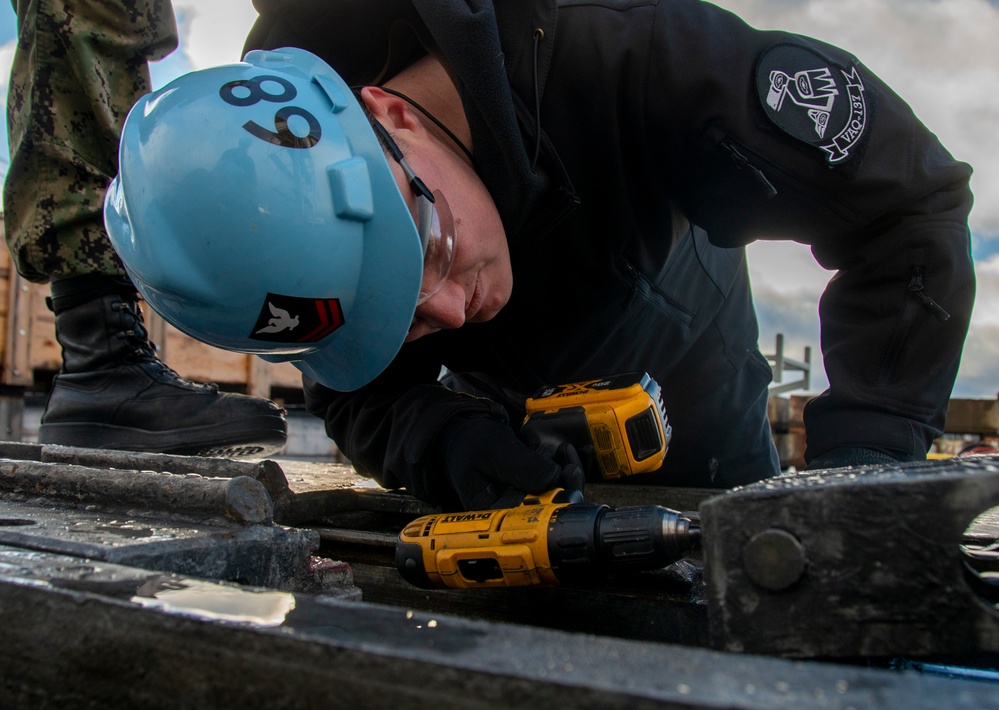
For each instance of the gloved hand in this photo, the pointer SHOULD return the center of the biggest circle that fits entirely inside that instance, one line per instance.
(481, 459)
(850, 456)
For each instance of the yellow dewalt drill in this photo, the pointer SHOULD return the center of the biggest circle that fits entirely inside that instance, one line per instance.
(547, 540)
(617, 424)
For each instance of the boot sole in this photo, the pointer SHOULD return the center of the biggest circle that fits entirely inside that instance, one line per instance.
(258, 437)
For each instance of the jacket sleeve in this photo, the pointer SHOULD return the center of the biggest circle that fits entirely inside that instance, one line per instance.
(769, 135)
(387, 428)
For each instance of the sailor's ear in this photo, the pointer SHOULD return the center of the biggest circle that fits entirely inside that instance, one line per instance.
(390, 110)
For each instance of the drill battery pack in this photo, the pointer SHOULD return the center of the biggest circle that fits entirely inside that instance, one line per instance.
(617, 424)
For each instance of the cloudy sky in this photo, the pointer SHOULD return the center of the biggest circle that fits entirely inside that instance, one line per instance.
(940, 55)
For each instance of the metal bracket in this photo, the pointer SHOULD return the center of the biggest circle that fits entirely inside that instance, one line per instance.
(855, 562)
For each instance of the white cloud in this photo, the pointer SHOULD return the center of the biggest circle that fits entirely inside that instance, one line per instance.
(787, 283)
(6, 60)
(215, 30)
(987, 302)
(978, 378)
(799, 274)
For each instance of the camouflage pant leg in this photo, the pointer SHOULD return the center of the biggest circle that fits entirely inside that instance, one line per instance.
(78, 68)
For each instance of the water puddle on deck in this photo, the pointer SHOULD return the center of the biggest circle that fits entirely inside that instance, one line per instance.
(215, 601)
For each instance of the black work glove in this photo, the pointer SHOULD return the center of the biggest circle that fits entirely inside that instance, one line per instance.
(480, 460)
(850, 456)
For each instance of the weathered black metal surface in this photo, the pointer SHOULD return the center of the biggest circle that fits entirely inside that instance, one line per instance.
(838, 564)
(213, 527)
(265, 555)
(653, 606)
(87, 635)
(852, 562)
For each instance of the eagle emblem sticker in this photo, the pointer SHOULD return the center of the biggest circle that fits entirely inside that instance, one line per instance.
(292, 319)
(814, 100)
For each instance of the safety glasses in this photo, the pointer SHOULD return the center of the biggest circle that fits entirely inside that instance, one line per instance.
(433, 222)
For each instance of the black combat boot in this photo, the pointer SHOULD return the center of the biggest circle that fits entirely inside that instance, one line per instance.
(114, 393)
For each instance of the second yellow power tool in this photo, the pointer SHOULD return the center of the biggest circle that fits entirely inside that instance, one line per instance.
(618, 423)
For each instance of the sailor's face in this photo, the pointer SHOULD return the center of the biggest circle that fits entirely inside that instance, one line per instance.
(480, 279)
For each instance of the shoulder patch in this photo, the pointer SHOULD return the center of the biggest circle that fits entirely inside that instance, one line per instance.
(813, 100)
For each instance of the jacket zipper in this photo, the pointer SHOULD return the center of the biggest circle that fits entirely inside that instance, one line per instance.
(743, 163)
(768, 175)
(916, 274)
(656, 298)
(901, 334)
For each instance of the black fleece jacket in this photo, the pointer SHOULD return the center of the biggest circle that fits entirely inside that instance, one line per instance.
(633, 147)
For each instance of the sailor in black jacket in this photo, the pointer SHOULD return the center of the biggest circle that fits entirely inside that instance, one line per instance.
(631, 149)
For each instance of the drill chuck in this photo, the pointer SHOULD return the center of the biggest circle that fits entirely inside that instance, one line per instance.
(585, 538)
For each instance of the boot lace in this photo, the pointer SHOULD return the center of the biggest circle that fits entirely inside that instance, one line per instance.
(143, 350)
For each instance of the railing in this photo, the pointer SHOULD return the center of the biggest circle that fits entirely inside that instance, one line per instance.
(782, 364)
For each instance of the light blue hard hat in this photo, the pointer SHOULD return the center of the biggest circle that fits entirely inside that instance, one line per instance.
(255, 210)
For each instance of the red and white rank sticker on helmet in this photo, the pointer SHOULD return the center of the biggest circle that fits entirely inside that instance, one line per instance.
(255, 210)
